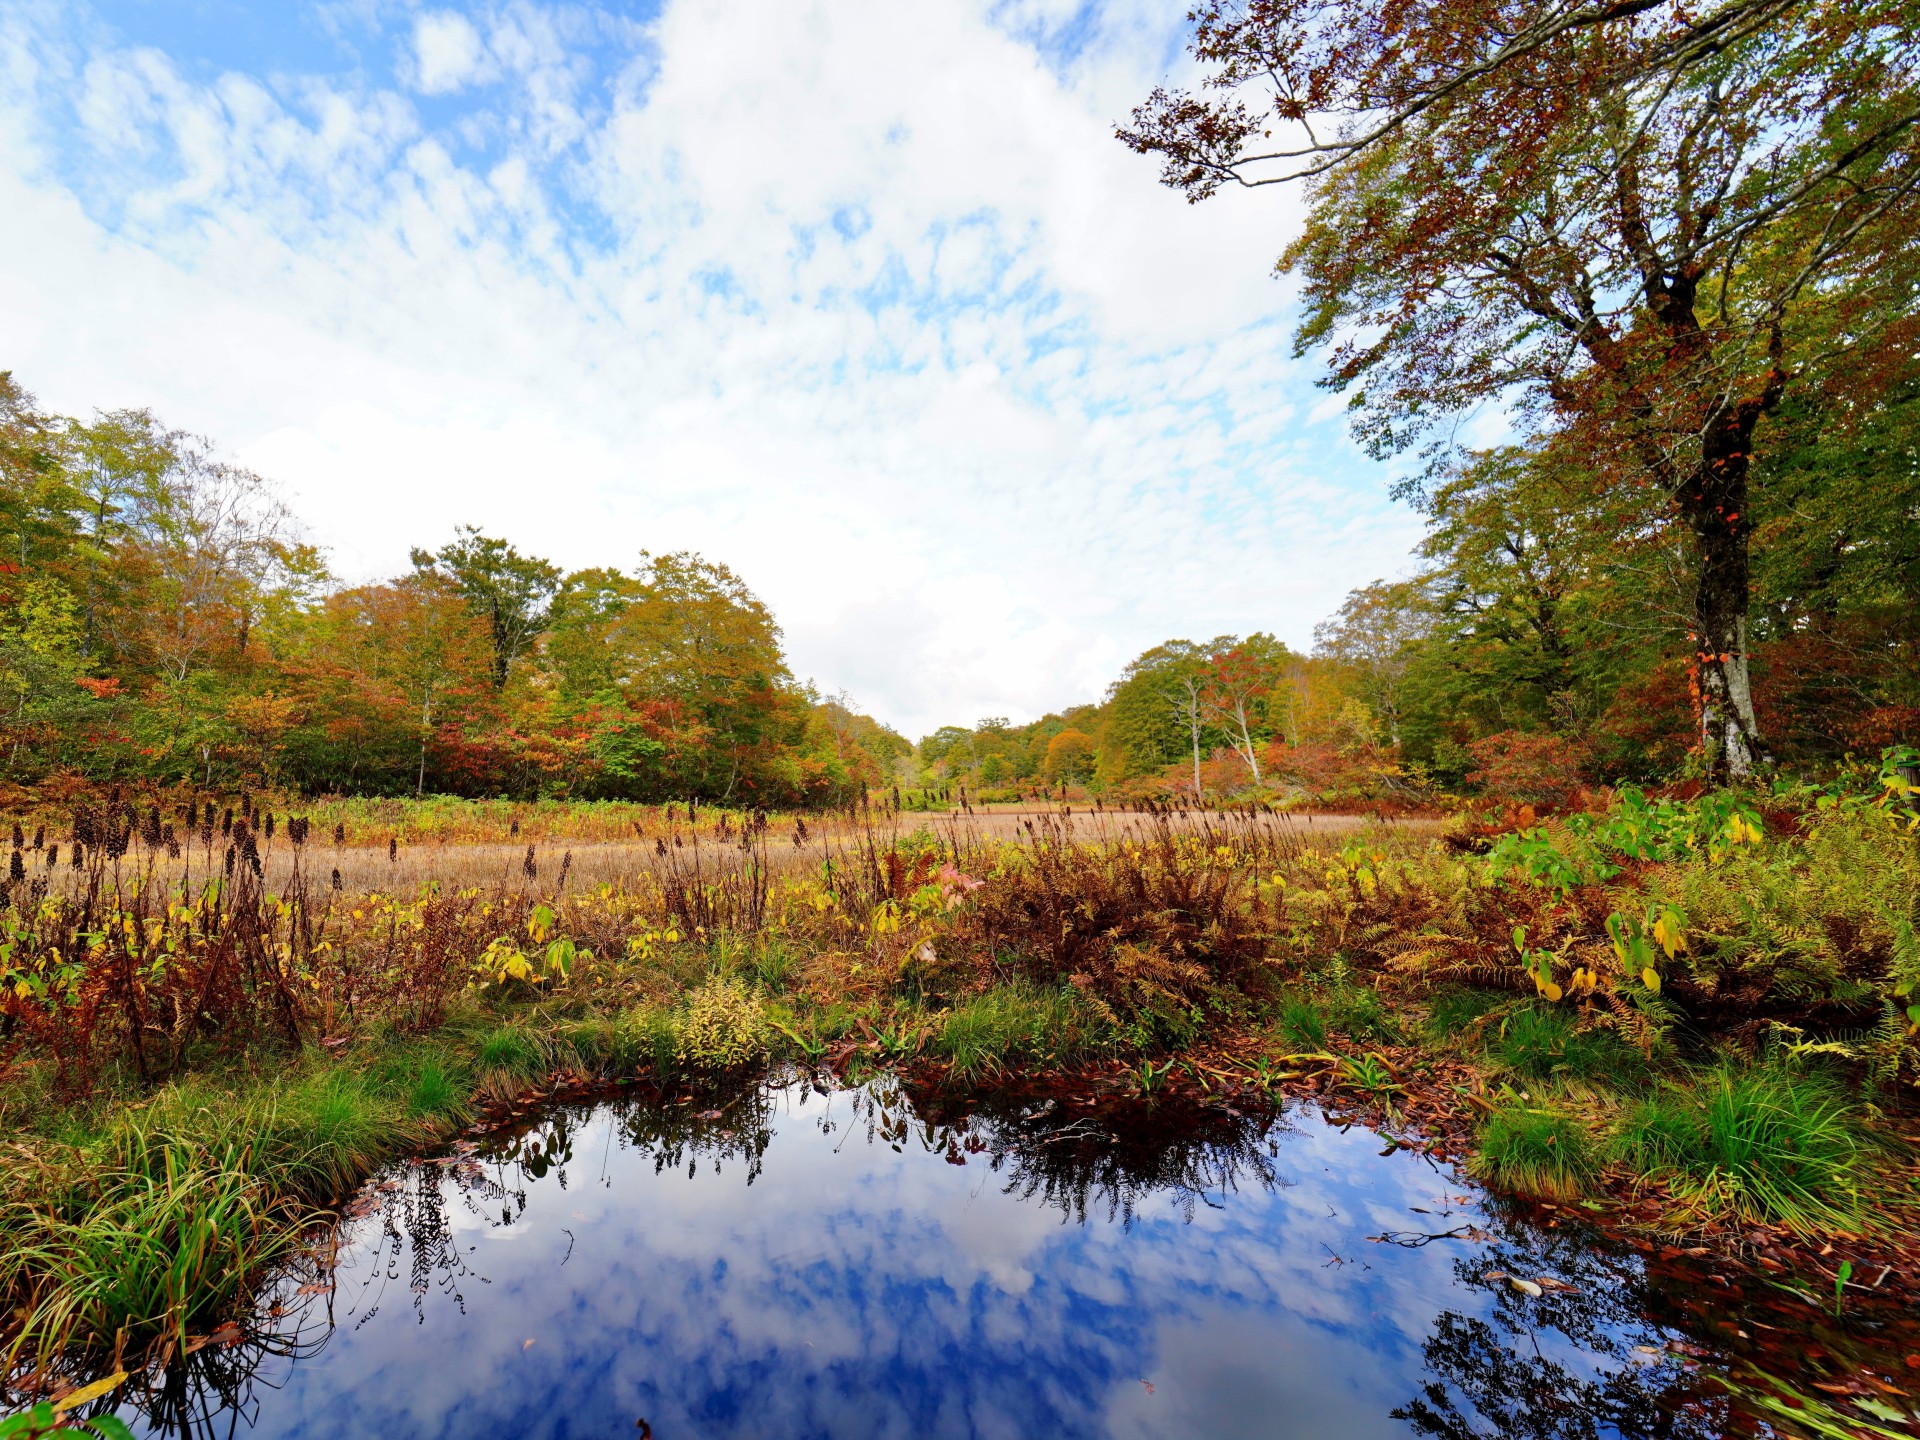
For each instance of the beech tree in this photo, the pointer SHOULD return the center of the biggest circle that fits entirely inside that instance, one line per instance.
(1639, 224)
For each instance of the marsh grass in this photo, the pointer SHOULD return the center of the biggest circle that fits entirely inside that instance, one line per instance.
(1536, 1151)
(1018, 1024)
(157, 1251)
(1758, 1144)
(1544, 1042)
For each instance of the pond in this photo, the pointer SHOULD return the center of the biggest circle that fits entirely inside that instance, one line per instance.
(806, 1260)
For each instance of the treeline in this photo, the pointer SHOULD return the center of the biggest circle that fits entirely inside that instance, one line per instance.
(1542, 643)
(162, 620)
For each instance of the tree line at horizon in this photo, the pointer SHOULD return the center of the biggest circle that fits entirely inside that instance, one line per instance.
(163, 620)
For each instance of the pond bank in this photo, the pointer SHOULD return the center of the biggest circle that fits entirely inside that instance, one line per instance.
(807, 1257)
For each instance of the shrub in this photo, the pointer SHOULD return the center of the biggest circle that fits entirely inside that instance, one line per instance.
(1515, 765)
(724, 1028)
(1533, 1151)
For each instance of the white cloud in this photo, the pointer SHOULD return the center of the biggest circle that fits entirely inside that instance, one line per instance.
(863, 299)
(448, 52)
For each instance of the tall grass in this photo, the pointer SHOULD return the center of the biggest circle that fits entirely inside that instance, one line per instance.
(1013, 1025)
(1759, 1144)
(1532, 1150)
(157, 1251)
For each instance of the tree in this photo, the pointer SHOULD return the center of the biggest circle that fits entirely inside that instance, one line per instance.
(1375, 631)
(1626, 217)
(1070, 756)
(1237, 678)
(509, 590)
(419, 640)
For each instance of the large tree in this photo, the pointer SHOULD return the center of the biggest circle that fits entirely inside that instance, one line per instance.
(1639, 224)
(510, 591)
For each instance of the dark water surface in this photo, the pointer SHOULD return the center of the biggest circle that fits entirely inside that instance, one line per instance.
(796, 1263)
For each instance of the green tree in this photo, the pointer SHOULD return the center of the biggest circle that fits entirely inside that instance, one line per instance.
(510, 591)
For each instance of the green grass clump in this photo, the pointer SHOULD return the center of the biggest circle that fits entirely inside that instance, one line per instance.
(1543, 1042)
(1534, 1151)
(1301, 1022)
(509, 1056)
(1761, 1144)
(1452, 1011)
(155, 1252)
(1014, 1024)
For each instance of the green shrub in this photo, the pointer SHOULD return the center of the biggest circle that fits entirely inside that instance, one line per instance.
(646, 1038)
(1760, 1144)
(725, 1027)
(1015, 1024)
(1534, 1151)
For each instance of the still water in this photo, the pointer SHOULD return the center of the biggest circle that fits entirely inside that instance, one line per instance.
(802, 1261)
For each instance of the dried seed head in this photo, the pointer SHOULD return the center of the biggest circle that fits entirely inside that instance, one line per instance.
(340, 833)
(16, 866)
(336, 878)
(393, 847)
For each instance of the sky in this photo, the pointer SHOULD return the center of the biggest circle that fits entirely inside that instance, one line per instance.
(861, 298)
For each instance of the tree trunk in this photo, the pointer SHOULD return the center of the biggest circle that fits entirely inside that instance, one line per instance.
(1714, 503)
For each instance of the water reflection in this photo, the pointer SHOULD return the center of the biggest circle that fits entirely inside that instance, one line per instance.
(801, 1261)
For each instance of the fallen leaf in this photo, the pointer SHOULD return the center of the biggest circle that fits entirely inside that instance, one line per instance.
(526, 1344)
(1525, 1287)
(74, 1398)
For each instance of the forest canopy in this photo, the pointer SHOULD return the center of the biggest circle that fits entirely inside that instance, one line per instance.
(162, 619)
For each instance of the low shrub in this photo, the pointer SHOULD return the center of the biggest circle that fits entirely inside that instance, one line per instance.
(1534, 1151)
(724, 1027)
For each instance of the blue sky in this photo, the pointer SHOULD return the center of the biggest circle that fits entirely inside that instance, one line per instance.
(860, 298)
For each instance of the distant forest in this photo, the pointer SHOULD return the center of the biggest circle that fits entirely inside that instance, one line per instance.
(162, 620)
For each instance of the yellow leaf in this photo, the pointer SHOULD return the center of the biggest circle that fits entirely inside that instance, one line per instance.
(1551, 991)
(75, 1398)
(1651, 979)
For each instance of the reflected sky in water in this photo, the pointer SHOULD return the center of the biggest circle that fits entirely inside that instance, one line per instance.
(801, 1264)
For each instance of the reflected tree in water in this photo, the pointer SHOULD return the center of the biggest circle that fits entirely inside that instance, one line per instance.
(1576, 1364)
